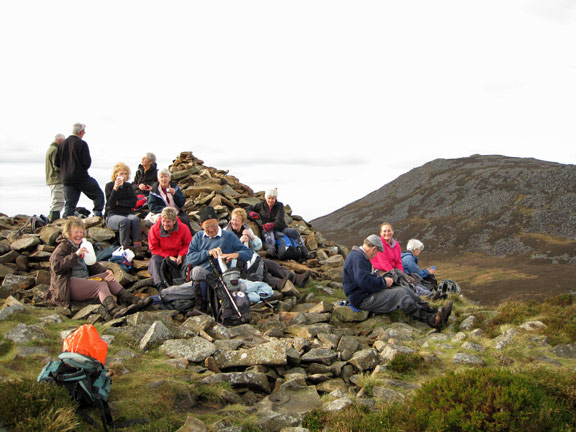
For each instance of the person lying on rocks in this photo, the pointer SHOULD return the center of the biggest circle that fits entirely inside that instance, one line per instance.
(120, 200)
(211, 243)
(165, 193)
(168, 238)
(71, 279)
(274, 274)
(365, 290)
(146, 174)
(269, 215)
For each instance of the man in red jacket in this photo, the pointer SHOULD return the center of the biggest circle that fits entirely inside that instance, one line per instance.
(168, 238)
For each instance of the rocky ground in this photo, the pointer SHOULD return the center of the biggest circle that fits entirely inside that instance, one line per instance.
(301, 352)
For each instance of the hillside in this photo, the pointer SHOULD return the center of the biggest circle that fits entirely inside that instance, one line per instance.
(494, 205)
(489, 214)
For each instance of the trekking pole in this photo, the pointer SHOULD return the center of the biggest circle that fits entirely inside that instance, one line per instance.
(221, 279)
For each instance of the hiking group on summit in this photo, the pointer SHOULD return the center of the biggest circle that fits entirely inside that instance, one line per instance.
(377, 277)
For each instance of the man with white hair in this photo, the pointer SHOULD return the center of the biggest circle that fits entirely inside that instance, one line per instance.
(365, 290)
(53, 180)
(73, 159)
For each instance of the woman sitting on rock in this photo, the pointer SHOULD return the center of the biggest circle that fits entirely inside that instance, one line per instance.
(168, 238)
(165, 193)
(71, 279)
(269, 214)
(410, 264)
(120, 200)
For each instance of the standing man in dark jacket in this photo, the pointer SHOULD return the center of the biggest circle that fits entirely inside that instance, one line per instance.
(366, 290)
(73, 159)
(53, 179)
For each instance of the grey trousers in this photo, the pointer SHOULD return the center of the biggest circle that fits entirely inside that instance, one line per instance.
(128, 226)
(391, 299)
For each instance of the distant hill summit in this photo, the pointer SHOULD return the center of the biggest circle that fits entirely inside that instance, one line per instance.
(494, 205)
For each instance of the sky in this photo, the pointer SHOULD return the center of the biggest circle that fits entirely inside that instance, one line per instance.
(325, 100)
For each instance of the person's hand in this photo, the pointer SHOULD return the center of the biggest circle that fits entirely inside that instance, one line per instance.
(389, 281)
(432, 270)
(81, 252)
(215, 252)
(253, 215)
(173, 258)
(179, 260)
(144, 187)
(230, 256)
(119, 182)
(268, 226)
(244, 238)
(171, 190)
(248, 234)
(109, 276)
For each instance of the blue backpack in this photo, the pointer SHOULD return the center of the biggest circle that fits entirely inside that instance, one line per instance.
(287, 248)
(86, 380)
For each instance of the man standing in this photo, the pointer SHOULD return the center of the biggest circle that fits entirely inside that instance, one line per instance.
(73, 159)
(53, 180)
(212, 242)
(367, 291)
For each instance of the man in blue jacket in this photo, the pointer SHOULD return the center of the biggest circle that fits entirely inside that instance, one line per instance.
(211, 243)
(367, 291)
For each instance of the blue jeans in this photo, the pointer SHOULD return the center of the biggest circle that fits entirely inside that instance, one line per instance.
(88, 187)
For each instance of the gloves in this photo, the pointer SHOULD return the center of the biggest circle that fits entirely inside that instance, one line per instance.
(253, 215)
(268, 226)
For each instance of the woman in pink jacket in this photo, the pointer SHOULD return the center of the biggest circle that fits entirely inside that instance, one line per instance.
(391, 257)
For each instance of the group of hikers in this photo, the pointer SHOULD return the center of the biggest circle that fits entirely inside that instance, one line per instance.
(377, 277)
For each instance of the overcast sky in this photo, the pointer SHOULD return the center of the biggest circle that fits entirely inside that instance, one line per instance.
(326, 100)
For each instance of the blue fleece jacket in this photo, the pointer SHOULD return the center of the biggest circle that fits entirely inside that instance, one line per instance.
(358, 279)
(410, 264)
(201, 243)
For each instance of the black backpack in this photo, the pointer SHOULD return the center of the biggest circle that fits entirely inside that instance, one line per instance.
(172, 273)
(85, 378)
(228, 300)
(252, 270)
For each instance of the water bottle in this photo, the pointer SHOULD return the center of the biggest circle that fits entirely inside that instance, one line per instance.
(90, 255)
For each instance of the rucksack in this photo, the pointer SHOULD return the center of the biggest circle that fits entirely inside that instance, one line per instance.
(449, 286)
(229, 302)
(287, 248)
(252, 270)
(85, 377)
(178, 297)
(172, 273)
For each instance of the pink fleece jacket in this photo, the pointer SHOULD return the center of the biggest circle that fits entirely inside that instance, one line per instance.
(390, 258)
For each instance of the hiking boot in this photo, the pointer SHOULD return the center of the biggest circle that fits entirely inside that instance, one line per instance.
(201, 305)
(53, 215)
(134, 303)
(300, 279)
(282, 282)
(113, 308)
